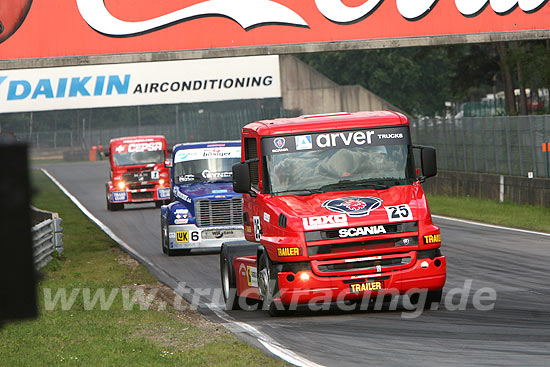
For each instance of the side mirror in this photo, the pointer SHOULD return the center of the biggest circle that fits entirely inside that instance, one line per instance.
(241, 178)
(429, 161)
(168, 163)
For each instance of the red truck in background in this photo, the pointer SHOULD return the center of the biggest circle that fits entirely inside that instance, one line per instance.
(139, 171)
(333, 210)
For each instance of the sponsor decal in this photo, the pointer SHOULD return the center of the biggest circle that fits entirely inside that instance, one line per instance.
(145, 147)
(248, 229)
(219, 191)
(256, 13)
(358, 138)
(303, 142)
(359, 259)
(366, 287)
(361, 231)
(181, 195)
(242, 270)
(195, 154)
(181, 211)
(279, 145)
(288, 251)
(184, 81)
(172, 235)
(325, 222)
(182, 236)
(338, 139)
(267, 217)
(397, 213)
(353, 206)
(432, 238)
(252, 276)
(164, 193)
(119, 196)
(181, 221)
(210, 175)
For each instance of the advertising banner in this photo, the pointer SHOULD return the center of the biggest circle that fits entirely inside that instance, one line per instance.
(46, 28)
(165, 82)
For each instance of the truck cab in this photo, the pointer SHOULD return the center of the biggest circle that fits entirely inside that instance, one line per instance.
(138, 171)
(204, 210)
(333, 210)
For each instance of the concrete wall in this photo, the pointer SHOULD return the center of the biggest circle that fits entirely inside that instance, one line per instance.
(520, 190)
(305, 88)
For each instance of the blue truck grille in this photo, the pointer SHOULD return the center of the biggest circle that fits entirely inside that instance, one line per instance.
(219, 212)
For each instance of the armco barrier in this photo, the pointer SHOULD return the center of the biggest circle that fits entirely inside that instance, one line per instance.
(46, 236)
(520, 190)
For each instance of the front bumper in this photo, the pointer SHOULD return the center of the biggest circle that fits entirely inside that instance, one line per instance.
(427, 274)
(189, 236)
(140, 195)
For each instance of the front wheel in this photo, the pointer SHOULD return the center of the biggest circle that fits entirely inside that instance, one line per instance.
(229, 282)
(268, 287)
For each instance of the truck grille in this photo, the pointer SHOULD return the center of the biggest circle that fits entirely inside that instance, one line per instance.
(364, 265)
(142, 195)
(219, 212)
(135, 177)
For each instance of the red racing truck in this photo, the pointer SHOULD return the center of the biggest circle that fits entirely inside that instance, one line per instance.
(333, 210)
(139, 171)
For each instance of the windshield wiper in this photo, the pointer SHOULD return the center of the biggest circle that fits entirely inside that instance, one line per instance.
(358, 183)
(303, 191)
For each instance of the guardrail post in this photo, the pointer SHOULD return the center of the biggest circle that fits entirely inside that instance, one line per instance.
(57, 240)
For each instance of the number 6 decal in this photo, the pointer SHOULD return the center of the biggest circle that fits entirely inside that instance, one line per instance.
(399, 213)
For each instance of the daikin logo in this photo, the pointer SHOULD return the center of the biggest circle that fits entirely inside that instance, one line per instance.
(50, 88)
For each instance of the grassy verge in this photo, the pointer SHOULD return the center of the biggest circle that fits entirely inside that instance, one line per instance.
(508, 214)
(122, 334)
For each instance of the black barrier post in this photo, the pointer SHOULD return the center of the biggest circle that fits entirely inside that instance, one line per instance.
(17, 272)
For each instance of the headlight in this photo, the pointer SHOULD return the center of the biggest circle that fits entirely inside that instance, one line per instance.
(122, 185)
(161, 181)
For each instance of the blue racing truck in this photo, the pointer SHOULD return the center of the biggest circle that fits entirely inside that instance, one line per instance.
(204, 210)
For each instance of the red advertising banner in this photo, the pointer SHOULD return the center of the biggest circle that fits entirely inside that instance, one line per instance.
(46, 28)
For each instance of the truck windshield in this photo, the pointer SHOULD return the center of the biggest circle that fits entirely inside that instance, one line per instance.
(138, 158)
(350, 168)
(212, 169)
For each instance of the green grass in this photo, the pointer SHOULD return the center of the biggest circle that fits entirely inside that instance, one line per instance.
(117, 336)
(536, 218)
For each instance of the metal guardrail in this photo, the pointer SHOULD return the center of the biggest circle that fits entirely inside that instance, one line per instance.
(46, 236)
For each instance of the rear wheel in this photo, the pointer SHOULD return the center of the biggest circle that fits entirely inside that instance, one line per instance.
(268, 287)
(229, 282)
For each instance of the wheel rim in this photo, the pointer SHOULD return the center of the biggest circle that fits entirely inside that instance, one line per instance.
(225, 281)
(263, 281)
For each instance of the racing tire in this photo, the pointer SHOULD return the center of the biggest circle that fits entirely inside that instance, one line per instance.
(117, 206)
(229, 282)
(164, 245)
(431, 298)
(269, 289)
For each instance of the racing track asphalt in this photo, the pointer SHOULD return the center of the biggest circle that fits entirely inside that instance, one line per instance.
(515, 264)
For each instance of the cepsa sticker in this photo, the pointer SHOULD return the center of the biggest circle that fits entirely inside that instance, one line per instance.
(432, 238)
(139, 147)
(288, 251)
